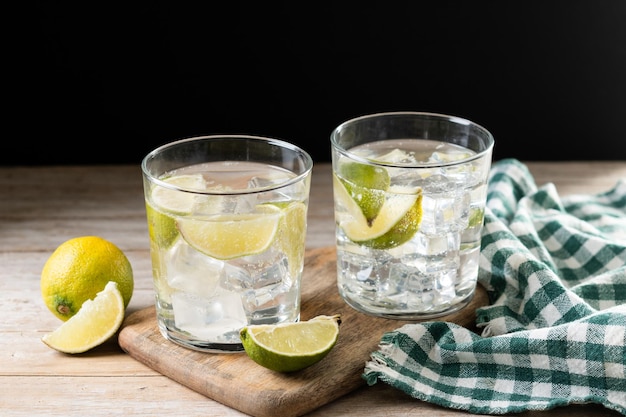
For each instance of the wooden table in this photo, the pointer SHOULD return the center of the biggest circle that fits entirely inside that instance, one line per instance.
(41, 207)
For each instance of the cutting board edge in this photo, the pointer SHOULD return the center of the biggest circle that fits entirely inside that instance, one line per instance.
(340, 370)
(287, 404)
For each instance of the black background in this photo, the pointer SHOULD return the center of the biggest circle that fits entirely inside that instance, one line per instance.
(100, 83)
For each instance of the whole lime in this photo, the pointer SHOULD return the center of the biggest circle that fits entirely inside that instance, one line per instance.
(79, 269)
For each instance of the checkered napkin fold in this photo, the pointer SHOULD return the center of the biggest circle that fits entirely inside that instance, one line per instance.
(554, 332)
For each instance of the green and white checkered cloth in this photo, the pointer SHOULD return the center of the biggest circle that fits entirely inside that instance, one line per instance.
(554, 332)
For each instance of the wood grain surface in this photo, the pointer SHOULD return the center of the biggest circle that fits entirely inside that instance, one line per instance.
(237, 381)
(42, 206)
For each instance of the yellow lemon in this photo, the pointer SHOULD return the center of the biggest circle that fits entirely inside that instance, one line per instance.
(79, 269)
(94, 324)
(288, 347)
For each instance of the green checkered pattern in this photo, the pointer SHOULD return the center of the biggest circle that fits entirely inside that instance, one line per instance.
(554, 332)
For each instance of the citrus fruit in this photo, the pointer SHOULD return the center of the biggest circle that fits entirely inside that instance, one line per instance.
(78, 269)
(366, 184)
(397, 220)
(476, 217)
(291, 233)
(288, 347)
(228, 236)
(161, 227)
(174, 200)
(95, 322)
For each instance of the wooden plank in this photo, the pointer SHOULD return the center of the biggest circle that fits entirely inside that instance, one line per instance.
(104, 396)
(579, 177)
(157, 395)
(42, 206)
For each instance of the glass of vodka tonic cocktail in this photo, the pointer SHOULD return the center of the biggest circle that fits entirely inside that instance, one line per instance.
(409, 192)
(227, 225)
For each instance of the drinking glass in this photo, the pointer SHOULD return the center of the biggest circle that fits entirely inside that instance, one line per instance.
(227, 223)
(410, 191)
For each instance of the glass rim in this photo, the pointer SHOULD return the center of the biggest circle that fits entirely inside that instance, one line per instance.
(432, 115)
(306, 158)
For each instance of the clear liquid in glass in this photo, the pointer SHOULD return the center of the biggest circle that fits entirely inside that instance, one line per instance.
(435, 272)
(202, 301)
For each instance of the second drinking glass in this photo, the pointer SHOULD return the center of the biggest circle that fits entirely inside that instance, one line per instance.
(410, 191)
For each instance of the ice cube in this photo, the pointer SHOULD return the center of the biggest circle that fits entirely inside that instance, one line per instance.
(267, 296)
(398, 156)
(267, 178)
(449, 155)
(267, 268)
(208, 318)
(234, 278)
(241, 204)
(445, 291)
(437, 245)
(190, 271)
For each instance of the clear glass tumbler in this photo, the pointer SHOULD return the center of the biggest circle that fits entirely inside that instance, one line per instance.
(227, 224)
(410, 190)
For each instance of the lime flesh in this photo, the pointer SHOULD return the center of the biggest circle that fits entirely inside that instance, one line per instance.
(229, 236)
(96, 322)
(290, 347)
(396, 222)
(366, 184)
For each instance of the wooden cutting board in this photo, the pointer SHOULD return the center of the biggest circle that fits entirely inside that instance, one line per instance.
(238, 382)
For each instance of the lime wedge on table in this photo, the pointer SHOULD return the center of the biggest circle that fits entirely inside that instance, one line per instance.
(396, 218)
(289, 347)
(95, 322)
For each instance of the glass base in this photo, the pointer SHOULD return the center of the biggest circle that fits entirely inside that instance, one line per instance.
(408, 315)
(200, 345)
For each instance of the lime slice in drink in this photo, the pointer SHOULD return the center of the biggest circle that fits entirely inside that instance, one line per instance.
(396, 222)
(162, 227)
(228, 236)
(289, 347)
(291, 233)
(175, 200)
(366, 185)
(476, 217)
